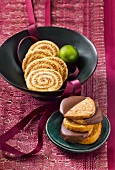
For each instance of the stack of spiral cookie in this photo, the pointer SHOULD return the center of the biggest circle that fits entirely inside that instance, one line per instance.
(83, 122)
(43, 70)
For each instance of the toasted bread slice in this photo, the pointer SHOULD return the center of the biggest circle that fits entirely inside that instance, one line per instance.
(84, 109)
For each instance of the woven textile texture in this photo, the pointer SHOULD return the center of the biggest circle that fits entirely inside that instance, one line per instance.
(85, 17)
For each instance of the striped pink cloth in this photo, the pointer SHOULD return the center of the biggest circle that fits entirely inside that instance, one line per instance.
(110, 63)
(86, 17)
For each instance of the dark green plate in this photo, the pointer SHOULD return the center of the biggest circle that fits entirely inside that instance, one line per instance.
(53, 131)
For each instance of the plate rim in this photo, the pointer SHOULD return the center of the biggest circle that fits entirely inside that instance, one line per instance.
(77, 150)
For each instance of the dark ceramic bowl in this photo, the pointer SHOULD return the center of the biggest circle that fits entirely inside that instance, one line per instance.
(11, 70)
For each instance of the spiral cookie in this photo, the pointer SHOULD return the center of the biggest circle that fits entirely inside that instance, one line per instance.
(62, 67)
(45, 80)
(33, 55)
(41, 63)
(46, 45)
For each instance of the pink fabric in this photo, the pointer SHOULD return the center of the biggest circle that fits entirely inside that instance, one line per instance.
(48, 13)
(72, 88)
(110, 62)
(29, 9)
(85, 17)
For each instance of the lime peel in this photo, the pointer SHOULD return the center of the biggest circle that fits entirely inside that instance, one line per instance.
(69, 54)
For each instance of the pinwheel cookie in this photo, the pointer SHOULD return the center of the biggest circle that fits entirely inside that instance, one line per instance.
(63, 70)
(33, 55)
(41, 67)
(46, 45)
(44, 80)
(41, 63)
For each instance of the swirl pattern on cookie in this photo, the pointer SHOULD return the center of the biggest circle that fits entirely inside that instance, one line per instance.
(62, 67)
(41, 63)
(44, 80)
(46, 45)
(33, 55)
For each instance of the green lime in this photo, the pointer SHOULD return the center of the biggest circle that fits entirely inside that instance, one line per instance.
(69, 54)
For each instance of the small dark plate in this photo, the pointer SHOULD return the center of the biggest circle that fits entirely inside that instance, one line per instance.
(11, 69)
(55, 121)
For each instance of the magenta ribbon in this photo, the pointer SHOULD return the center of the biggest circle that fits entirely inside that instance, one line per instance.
(31, 19)
(72, 88)
(47, 13)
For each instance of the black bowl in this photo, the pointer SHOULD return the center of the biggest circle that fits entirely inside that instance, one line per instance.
(10, 66)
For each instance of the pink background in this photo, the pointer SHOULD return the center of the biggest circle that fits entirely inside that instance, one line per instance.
(86, 17)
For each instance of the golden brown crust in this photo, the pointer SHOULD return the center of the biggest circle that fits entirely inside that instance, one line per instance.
(93, 137)
(80, 121)
(84, 109)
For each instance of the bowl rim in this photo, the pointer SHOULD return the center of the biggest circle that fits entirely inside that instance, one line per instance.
(49, 27)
